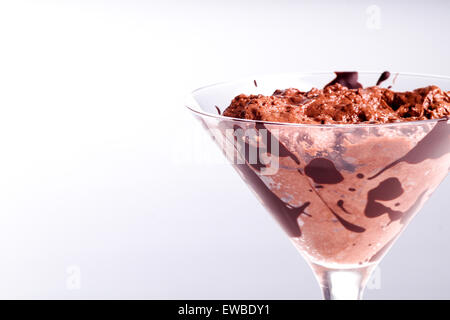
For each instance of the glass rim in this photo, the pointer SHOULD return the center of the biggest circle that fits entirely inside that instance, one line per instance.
(189, 97)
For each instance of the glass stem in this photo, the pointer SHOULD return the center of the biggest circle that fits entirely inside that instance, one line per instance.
(342, 284)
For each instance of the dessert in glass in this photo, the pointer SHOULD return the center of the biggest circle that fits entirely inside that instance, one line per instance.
(342, 167)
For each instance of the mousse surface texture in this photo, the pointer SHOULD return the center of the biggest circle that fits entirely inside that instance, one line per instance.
(339, 104)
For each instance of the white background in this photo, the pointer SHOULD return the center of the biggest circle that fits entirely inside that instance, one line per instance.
(100, 195)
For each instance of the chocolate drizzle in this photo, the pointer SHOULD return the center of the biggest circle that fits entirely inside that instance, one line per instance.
(218, 110)
(323, 171)
(348, 79)
(406, 216)
(383, 77)
(387, 190)
(347, 225)
(285, 214)
(340, 204)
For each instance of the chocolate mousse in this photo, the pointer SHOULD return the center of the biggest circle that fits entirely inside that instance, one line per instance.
(342, 194)
(339, 104)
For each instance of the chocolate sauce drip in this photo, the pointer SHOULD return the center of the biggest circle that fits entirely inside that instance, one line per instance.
(340, 203)
(347, 225)
(218, 110)
(347, 79)
(285, 214)
(434, 145)
(323, 171)
(406, 216)
(256, 84)
(389, 189)
(383, 77)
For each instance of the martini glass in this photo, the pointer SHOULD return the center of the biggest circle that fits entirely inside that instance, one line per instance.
(342, 193)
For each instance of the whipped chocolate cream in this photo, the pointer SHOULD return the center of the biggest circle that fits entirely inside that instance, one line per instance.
(343, 101)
